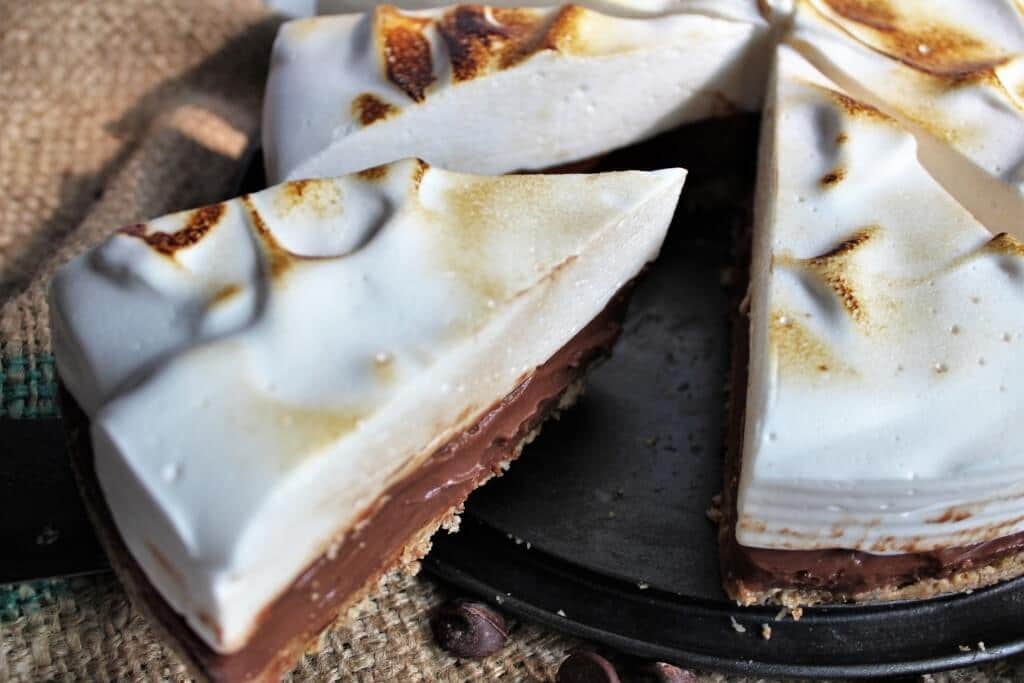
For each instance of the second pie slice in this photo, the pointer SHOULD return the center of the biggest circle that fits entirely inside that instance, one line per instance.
(290, 391)
(880, 455)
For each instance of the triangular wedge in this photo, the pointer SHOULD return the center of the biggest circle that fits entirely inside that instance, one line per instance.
(492, 90)
(291, 390)
(952, 73)
(885, 410)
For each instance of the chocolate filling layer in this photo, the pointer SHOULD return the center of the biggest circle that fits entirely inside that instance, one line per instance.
(844, 573)
(375, 545)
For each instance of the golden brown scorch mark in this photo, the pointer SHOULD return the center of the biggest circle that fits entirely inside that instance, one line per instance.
(224, 294)
(1005, 244)
(564, 34)
(878, 15)
(953, 514)
(321, 196)
(406, 51)
(970, 536)
(833, 177)
(477, 40)
(750, 524)
(279, 259)
(940, 49)
(833, 267)
(417, 175)
(200, 222)
(856, 108)
(798, 347)
(368, 108)
(374, 173)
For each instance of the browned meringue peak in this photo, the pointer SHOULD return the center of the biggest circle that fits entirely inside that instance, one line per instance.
(952, 73)
(492, 90)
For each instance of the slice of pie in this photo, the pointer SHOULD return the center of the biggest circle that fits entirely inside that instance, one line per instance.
(491, 90)
(880, 451)
(290, 391)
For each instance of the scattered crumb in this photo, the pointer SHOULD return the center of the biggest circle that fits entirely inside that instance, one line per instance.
(964, 648)
(528, 545)
(560, 613)
(499, 599)
(48, 536)
(766, 631)
(651, 441)
(782, 614)
(737, 626)
(611, 515)
(643, 585)
(713, 514)
(333, 548)
(981, 645)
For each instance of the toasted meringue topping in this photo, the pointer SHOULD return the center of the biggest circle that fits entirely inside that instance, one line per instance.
(276, 361)
(884, 371)
(929, 36)
(731, 9)
(493, 90)
(951, 73)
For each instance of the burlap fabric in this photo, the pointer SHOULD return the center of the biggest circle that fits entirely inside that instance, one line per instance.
(111, 112)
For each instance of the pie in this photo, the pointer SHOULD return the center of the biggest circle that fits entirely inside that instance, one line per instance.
(300, 385)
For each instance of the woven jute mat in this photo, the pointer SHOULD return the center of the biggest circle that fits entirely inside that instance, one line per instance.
(114, 112)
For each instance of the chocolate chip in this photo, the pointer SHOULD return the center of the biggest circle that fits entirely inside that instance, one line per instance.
(469, 630)
(587, 667)
(660, 672)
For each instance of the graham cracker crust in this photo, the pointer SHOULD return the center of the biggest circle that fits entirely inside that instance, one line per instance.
(1002, 569)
